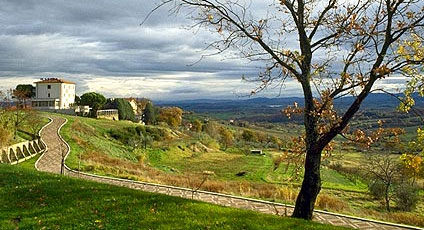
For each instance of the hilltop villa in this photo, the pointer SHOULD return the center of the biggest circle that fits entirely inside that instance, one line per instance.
(53, 93)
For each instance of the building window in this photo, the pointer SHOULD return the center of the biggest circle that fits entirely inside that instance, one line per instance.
(49, 87)
(48, 95)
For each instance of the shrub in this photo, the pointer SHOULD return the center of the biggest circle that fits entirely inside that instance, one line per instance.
(89, 168)
(197, 126)
(406, 218)
(155, 156)
(337, 166)
(156, 134)
(140, 129)
(121, 135)
(249, 136)
(211, 128)
(406, 197)
(327, 202)
(208, 141)
(377, 188)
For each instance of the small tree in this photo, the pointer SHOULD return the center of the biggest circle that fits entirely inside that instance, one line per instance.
(149, 114)
(19, 117)
(277, 141)
(227, 138)
(412, 166)
(142, 140)
(35, 122)
(211, 128)
(384, 169)
(173, 116)
(197, 126)
(6, 127)
(406, 196)
(23, 93)
(249, 135)
(146, 140)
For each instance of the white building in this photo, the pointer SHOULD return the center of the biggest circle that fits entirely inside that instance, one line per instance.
(54, 93)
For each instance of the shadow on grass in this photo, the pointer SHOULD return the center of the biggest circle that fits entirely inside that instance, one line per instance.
(33, 200)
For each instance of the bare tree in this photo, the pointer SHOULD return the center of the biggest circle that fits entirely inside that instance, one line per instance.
(63, 150)
(19, 117)
(6, 127)
(35, 122)
(384, 169)
(342, 48)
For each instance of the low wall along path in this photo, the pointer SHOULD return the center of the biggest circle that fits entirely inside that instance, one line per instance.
(20, 152)
(50, 161)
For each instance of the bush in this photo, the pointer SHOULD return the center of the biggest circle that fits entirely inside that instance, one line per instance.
(156, 133)
(121, 135)
(327, 202)
(140, 129)
(89, 168)
(377, 189)
(406, 197)
(211, 128)
(249, 136)
(208, 141)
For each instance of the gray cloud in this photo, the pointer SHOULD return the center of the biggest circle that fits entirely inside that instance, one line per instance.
(102, 47)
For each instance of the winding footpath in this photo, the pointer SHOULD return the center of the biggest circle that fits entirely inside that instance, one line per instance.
(50, 161)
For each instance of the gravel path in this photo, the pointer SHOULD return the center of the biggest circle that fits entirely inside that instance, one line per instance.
(50, 161)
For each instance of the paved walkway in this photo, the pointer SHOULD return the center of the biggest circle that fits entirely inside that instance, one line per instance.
(51, 160)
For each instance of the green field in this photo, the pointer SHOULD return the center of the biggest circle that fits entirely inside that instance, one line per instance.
(37, 200)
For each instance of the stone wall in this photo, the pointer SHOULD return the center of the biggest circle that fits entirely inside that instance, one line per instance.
(22, 151)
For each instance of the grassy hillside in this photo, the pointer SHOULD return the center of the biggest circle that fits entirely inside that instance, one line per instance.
(177, 154)
(181, 158)
(36, 200)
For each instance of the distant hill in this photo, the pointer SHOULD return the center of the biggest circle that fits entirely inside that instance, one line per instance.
(375, 100)
(268, 109)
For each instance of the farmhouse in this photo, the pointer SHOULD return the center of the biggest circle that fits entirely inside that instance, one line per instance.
(53, 93)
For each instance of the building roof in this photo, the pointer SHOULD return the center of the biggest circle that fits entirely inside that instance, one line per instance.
(54, 80)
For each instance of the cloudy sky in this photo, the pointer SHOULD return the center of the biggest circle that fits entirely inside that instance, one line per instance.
(101, 46)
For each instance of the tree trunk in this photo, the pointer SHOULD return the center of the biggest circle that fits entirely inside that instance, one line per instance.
(386, 197)
(311, 186)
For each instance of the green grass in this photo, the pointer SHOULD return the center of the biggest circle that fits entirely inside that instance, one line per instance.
(173, 162)
(36, 200)
(29, 164)
(258, 168)
(175, 157)
(95, 134)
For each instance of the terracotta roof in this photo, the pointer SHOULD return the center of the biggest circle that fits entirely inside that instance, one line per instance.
(55, 80)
